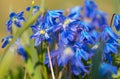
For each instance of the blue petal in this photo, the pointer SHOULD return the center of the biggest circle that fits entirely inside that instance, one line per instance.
(5, 44)
(28, 8)
(18, 23)
(36, 7)
(22, 52)
(37, 41)
(13, 14)
(82, 53)
(9, 25)
(110, 48)
(107, 68)
(20, 14)
(21, 18)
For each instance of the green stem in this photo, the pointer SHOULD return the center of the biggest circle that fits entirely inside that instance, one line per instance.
(96, 61)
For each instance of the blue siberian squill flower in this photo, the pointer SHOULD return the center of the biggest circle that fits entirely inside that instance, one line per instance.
(67, 36)
(99, 20)
(6, 41)
(110, 38)
(16, 19)
(109, 33)
(35, 9)
(107, 69)
(75, 12)
(85, 37)
(117, 22)
(52, 16)
(81, 51)
(40, 34)
(90, 7)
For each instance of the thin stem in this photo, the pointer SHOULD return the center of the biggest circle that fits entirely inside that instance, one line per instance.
(25, 74)
(42, 6)
(61, 72)
(51, 66)
(112, 19)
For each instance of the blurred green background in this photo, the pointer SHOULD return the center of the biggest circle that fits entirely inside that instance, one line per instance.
(6, 6)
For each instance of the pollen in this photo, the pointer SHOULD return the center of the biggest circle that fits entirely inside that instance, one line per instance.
(66, 22)
(42, 32)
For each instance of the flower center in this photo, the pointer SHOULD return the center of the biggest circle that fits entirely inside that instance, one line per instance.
(66, 22)
(42, 32)
(68, 51)
(14, 18)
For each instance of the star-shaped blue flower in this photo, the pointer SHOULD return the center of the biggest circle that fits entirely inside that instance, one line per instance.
(40, 34)
(16, 19)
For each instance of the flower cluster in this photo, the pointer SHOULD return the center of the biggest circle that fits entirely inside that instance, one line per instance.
(76, 35)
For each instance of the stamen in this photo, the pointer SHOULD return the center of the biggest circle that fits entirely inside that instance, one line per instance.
(66, 22)
(42, 32)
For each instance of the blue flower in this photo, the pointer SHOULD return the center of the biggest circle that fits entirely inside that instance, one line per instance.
(110, 48)
(52, 17)
(40, 34)
(117, 22)
(90, 8)
(99, 20)
(95, 35)
(16, 19)
(67, 36)
(85, 37)
(109, 33)
(35, 9)
(107, 69)
(75, 12)
(6, 41)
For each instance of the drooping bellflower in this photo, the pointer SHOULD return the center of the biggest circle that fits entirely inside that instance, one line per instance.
(90, 8)
(117, 22)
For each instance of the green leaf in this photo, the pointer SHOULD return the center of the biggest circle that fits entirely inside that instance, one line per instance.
(96, 61)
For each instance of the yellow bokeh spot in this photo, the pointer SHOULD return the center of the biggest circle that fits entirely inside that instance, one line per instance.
(42, 32)
(66, 22)
(33, 2)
